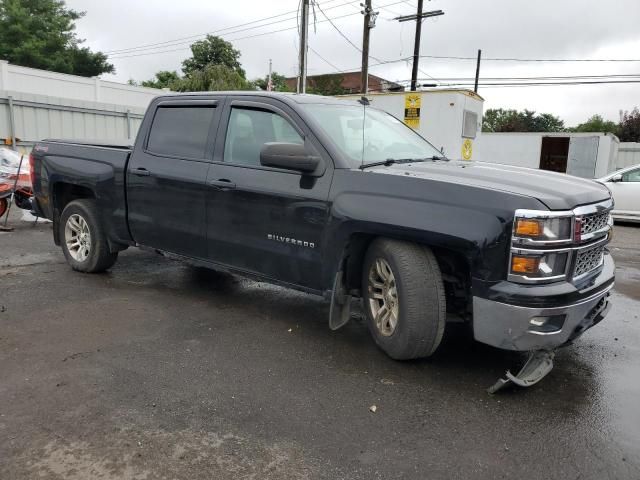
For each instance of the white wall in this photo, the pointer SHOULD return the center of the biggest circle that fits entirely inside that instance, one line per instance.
(628, 154)
(519, 149)
(40, 82)
(36, 117)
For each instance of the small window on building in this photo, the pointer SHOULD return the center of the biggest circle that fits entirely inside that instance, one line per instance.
(181, 131)
(470, 124)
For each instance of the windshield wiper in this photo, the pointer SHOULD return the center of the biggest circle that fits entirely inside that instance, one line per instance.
(391, 161)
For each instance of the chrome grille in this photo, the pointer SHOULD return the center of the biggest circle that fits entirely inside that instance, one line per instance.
(588, 260)
(593, 223)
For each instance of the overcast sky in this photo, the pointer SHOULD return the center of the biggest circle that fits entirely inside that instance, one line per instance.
(501, 28)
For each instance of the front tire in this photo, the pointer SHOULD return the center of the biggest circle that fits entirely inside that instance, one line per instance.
(404, 298)
(83, 239)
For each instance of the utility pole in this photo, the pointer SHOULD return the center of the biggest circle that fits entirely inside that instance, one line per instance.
(304, 40)
(269, 84)
(364, 81)
(475, 88)
(416, 48)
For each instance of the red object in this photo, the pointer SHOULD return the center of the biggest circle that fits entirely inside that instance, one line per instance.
(577, 230)
(32, 170)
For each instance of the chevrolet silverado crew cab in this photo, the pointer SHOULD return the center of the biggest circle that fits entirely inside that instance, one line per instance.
(338, 199)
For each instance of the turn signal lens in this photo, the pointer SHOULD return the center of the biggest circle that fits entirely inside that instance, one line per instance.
(529, 228)
(525, 264)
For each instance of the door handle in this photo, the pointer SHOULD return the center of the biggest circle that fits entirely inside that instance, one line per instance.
(222, 184)
(141, 172)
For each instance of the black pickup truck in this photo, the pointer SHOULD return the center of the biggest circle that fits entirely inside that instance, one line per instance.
(336, 198)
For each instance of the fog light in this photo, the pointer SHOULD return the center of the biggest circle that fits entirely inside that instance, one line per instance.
(525, 264)
(550, 324)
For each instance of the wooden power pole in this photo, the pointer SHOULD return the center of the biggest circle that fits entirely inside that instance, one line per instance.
(364, 81)
(416, 48)
(304, 40)
(475, 87)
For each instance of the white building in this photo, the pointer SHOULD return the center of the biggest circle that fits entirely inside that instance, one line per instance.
(587, 155)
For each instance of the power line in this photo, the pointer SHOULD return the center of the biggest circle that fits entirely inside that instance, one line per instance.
(190, 38)
(570, 77)
(544, 84)
(495, 59)
(246, 37)
(326, 61)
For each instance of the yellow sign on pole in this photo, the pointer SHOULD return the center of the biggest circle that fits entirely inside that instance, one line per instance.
(467, 149)
(412, 102)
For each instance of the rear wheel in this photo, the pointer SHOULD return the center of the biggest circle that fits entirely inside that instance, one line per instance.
(84, 242)
(404, 298)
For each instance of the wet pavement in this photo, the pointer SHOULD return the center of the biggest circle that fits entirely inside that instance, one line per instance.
(161, 370)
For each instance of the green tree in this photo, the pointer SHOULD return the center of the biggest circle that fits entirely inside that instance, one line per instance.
(278, 81)
(163, 79)
(329, 84)
(629, 129)
(40, 34)
(212, 78)
(596, 123)
(501, 120)
(212, 51)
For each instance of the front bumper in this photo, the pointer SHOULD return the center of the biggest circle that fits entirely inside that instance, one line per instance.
(518, 327)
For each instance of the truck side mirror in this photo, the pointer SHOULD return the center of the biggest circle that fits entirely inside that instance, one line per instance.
(290, 156)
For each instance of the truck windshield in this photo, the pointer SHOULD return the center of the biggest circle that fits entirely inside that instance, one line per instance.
(365, 135)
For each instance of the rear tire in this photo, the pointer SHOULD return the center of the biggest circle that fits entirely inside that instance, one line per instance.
(404, 298)
(83, 239)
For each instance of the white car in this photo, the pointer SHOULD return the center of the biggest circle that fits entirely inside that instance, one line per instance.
(625, 187)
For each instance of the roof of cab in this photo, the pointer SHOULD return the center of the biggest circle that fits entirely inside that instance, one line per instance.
(284, 96)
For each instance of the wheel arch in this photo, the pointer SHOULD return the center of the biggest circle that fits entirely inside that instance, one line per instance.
(63, 193)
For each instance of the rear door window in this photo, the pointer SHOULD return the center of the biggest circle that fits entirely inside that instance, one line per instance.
(181, 131)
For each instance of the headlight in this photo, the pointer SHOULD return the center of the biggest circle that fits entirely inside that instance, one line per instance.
(540, 246)
(528, 228)
(535, 265)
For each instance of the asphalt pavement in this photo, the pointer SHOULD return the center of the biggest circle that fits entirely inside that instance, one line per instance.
(160, 370)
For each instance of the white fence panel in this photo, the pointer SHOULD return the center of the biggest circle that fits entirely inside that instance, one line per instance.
(30, 118)
(41, 82)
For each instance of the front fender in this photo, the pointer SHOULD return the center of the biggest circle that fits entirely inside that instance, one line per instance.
(470, 221)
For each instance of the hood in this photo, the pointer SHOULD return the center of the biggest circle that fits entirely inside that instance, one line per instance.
(557, 191)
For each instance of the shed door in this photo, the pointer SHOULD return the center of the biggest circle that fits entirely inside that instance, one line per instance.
(583, 154)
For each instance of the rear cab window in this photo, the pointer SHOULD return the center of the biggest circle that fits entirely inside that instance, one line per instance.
(181, 131)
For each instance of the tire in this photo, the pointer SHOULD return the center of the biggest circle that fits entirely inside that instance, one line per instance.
(418, 305)
(83, 239)
(4, 205)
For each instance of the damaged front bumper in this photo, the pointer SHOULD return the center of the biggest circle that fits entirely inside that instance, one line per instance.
(541, 324)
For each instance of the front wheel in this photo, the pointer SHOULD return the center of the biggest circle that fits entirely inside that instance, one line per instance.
(84, 242)
(404, 298)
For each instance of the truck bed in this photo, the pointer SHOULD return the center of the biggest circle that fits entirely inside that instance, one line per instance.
(93, 168)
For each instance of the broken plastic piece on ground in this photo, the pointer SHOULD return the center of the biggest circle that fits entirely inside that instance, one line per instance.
(538, 365)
